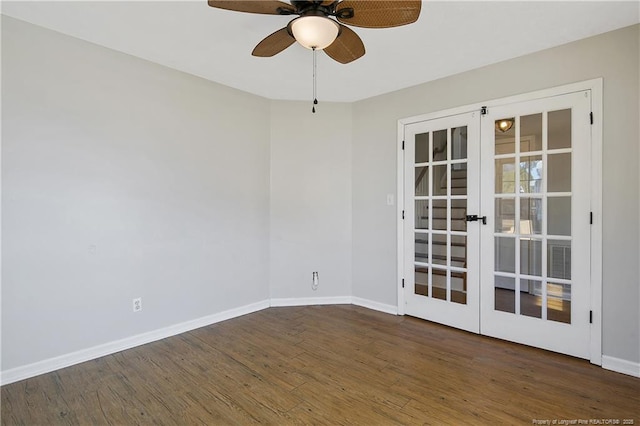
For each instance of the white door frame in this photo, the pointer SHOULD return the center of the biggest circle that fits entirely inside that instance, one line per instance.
(596, 88)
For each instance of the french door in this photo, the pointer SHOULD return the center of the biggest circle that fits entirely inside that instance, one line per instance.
(496, 228)
(536, 245)
(442, 176)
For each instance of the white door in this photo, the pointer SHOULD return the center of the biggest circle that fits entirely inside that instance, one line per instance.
(441, 187)
(536, 245)
(497, 222)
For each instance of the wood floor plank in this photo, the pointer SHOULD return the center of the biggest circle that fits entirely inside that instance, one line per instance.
(331, 365)
(338, 377)
(256, 354)
(349, 405)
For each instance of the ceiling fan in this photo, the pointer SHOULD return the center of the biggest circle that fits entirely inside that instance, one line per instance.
(315, 29)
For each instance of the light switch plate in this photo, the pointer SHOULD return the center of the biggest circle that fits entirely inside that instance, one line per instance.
(390, 200)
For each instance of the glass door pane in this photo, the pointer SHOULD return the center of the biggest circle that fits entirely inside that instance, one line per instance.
(440, 200)
(542, 178)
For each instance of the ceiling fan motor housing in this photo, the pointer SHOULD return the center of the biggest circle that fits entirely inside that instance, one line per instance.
(305, 8)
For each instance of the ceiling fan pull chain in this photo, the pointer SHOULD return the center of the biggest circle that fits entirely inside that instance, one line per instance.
(315, 98)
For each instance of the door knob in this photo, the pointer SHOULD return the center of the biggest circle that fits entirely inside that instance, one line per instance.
(475, 218)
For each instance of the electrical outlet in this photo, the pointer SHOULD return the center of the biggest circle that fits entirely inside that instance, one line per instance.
(137, 304)
(315, 281)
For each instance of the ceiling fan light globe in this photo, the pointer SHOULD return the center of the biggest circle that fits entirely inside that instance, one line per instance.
(314, 32)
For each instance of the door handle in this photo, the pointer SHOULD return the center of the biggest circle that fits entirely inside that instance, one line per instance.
(475, 218)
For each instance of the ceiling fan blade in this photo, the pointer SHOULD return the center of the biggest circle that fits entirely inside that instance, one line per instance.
(274, 43)
(347, 47)
(267, 7)
(379, 14)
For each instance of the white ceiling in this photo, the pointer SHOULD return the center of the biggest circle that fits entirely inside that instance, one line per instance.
(449, 37)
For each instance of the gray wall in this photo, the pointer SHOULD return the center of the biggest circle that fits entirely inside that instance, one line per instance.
(310, 199)
(613, 56)
(121, 179)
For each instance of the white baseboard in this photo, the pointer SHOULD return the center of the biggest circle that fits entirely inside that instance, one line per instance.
(376, 306)
(310, 301)
(52, 364)
(340, 300)
(41, 367)
(621, 366)
(67, 360)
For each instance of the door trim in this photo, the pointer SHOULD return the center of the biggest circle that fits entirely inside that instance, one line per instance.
(596, 88)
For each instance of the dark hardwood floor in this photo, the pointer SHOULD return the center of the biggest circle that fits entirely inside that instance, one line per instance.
(324, 365)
